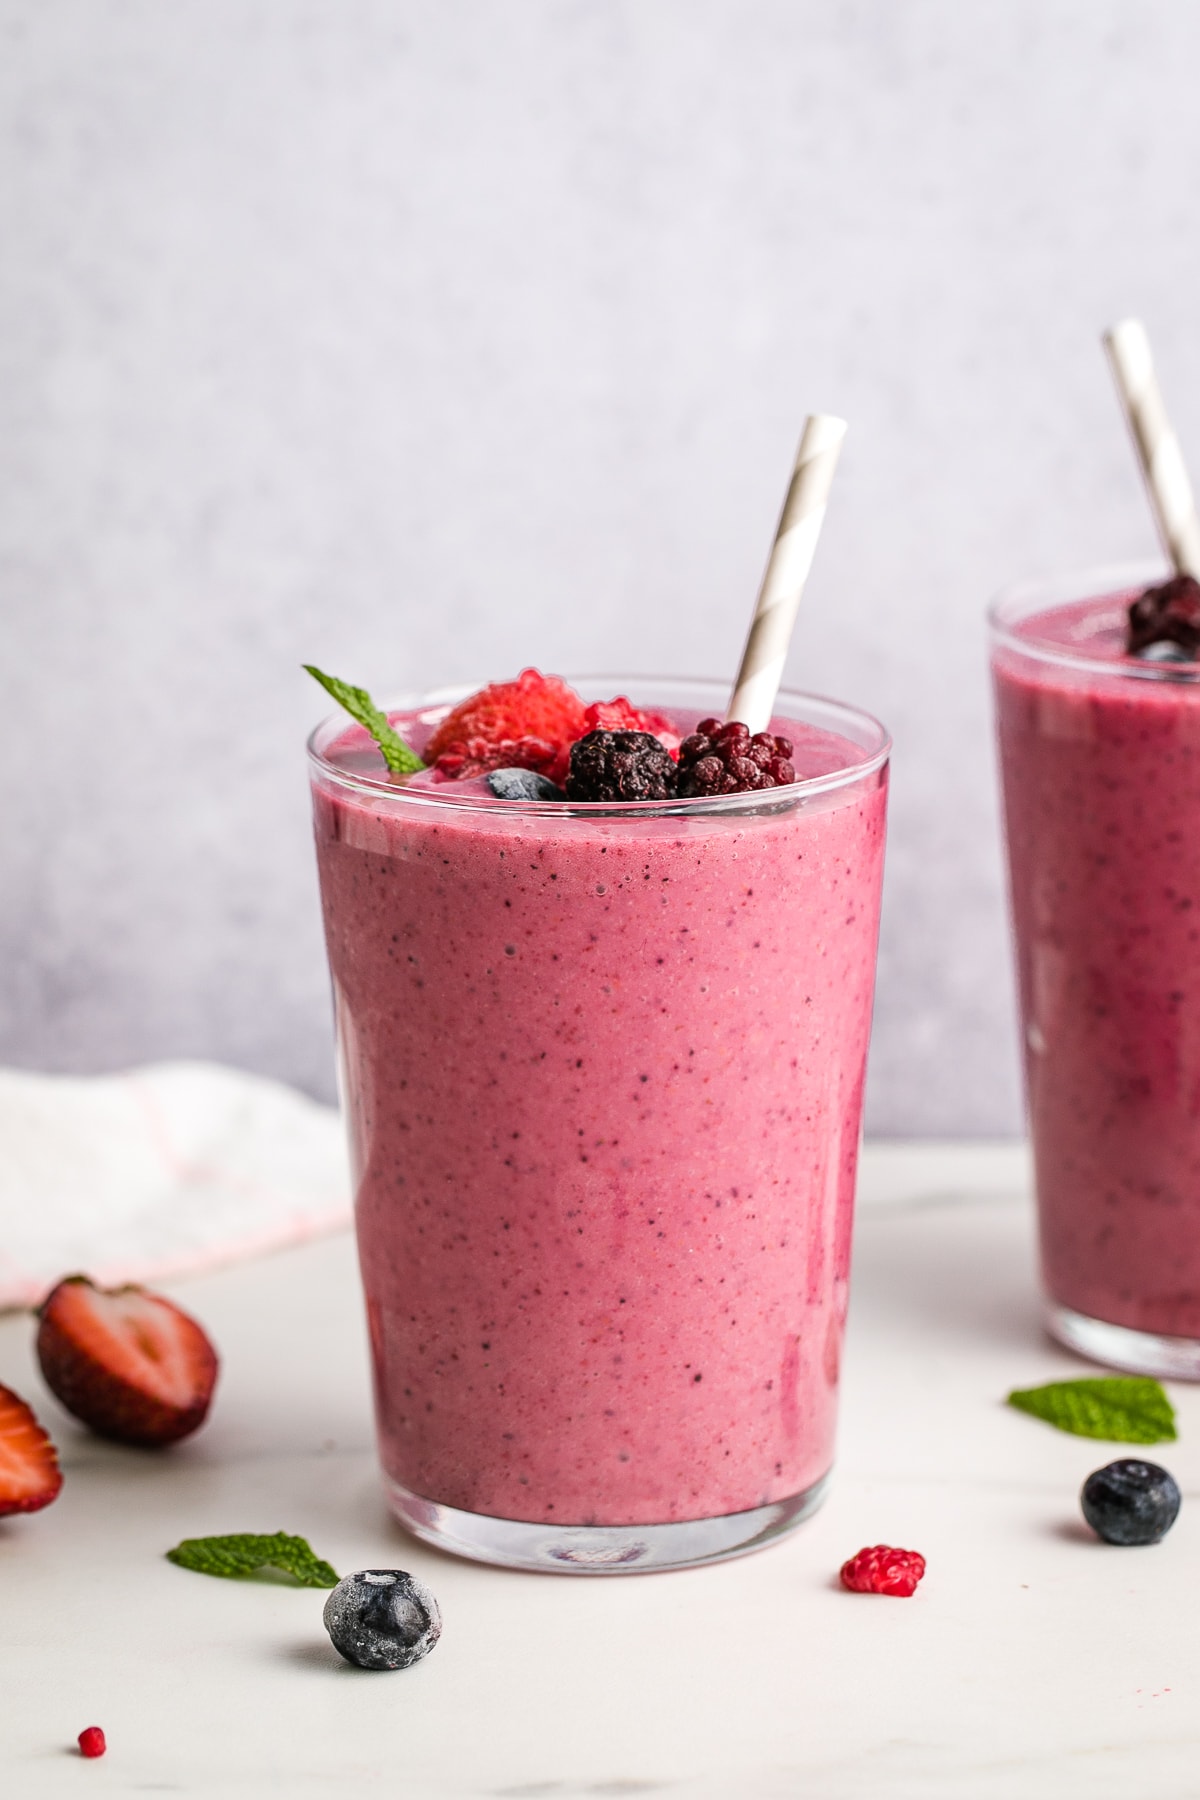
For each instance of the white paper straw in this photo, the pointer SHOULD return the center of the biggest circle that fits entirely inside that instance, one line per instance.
(1157, 446)
(761, 670)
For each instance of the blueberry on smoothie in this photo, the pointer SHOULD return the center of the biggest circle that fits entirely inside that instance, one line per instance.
(382, 1619)
(523, 784)
(1130, 1502)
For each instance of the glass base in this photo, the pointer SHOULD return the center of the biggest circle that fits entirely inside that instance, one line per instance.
(600, 1549)
(1140, 1352)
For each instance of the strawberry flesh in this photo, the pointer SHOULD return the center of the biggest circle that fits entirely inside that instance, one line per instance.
(128, 1363)
(30, 1477)
(529, 723)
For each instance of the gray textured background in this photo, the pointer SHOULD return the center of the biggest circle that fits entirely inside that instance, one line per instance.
(426, 340)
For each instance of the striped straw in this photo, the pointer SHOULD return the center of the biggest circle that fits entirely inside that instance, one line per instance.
(761, 671)
(1157, 446)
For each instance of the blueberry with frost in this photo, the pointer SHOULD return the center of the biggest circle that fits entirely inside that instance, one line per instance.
(1130, 1502)
(523, 784)
(382, 1619)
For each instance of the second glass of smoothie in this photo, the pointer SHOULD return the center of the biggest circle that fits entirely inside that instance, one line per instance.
(1100, 760)
(603, 1067)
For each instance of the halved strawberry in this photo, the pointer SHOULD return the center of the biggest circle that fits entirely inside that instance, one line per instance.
(622, 715)
(529, 723)
(128, 1363)
(30, 1477)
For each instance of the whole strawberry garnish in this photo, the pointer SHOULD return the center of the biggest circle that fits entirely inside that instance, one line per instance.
(622, 715)
(128, 1363)
(30, 1477)
(529, 723)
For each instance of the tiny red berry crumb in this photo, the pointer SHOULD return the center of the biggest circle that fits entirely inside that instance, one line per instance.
(882, 1570)
(91, 1742)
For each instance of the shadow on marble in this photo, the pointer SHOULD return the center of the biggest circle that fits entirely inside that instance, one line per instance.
(311, 1653)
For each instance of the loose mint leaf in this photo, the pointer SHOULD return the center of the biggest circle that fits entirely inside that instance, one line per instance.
(246, 1552)
(1124, 1409)
(359, 704)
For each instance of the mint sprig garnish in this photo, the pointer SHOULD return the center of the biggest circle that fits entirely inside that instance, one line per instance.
(359, 704)
(1124, 1409)
(246, 1553)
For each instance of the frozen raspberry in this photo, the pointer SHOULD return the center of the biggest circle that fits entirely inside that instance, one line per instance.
(1169, 614)
(882, 1570)
(529, 723)
(725, 759)
(622, 715)
(620, 765)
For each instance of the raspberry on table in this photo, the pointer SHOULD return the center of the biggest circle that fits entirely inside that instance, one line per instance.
(1167, 614)
(620, 765)
(726, 759)
(92, 1742)
(529, 723)
(879, 1569)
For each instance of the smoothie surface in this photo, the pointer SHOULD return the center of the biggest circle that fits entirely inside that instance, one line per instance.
(816, 752)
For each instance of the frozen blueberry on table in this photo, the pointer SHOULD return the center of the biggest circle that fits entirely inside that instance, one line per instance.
(523, 784)
(382, 1619)
(1130, 1502)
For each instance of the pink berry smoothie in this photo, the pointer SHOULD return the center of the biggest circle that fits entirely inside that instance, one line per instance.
(1100, 757)
(603, 1071)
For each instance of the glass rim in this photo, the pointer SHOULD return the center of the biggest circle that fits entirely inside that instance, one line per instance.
(1022, 600)
(386, 788)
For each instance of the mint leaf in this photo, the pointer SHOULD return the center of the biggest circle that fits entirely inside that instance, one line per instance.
(1125, 1409)
(359, 704)
(246, 1552)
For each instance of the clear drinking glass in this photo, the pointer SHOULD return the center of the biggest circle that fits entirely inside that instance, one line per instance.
(1100, 762)
(602, 1070)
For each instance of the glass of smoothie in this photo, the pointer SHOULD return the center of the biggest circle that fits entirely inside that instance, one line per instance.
(1100, 764)
(602, 1066)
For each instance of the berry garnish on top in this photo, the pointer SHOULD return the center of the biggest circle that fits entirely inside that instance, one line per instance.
(622, 715)
(523, 784)
(620, 765)
(1167, 614)
(1130, 1502)
(128, 1363)
(726, 759)
(529, 723)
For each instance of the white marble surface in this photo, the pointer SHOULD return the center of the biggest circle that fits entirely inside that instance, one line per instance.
(1032, 1662)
